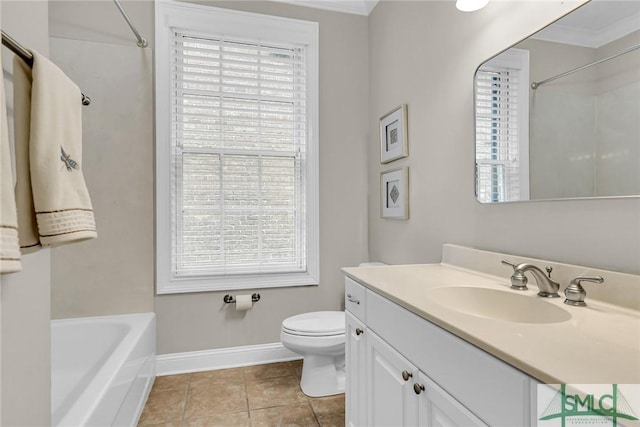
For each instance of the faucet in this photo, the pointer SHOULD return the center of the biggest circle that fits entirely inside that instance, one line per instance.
(547, 287)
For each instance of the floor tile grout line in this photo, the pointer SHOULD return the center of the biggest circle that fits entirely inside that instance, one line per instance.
(186, 400)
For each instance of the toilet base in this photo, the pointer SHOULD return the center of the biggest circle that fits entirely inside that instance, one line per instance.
(322, 375)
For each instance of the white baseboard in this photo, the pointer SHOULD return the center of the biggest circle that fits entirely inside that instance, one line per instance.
(222, 358)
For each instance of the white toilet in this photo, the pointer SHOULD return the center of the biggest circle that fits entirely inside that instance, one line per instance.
(319, 337)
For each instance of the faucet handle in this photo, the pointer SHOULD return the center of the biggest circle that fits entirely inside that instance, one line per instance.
(575, 293)
(594, 279)
(509, 263)
(518, 279)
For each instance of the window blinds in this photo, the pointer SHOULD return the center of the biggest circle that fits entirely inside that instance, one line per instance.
(238, 156)
(497, 135)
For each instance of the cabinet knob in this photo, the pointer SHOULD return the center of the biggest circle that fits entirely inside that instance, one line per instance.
(406, 375)
(359, 331)
(418, 388)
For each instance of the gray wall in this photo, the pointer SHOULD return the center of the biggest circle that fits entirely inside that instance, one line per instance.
(25, 301)
(425, 54)
(201, 321)
(83, 280)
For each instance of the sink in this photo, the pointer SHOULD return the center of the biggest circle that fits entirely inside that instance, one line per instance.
(500, 305)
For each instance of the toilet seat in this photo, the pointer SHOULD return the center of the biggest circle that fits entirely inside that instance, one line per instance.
(315, 324)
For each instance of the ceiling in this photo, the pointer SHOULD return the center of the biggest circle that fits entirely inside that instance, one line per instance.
(595, 24)
(357, 7)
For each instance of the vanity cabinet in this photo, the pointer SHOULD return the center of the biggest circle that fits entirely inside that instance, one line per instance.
(355, 384)
(413, 372)
(390, 399)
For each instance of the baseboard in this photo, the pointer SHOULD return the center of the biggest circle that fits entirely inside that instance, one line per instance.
(222, 358)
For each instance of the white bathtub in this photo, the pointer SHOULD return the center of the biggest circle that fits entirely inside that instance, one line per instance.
(102, 369)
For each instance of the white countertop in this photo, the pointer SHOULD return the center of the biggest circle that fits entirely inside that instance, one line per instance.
(599, 344)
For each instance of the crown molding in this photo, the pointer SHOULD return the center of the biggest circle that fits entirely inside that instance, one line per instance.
(356, 7)
(589, 38)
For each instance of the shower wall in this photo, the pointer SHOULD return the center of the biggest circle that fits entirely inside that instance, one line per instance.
(585, 128)
(112, 274)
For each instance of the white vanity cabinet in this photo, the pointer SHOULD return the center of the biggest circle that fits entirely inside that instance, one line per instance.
(415, 373)
(390, 399)
(355, 379)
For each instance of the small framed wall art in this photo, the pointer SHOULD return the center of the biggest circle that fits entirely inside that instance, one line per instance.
(393, 135)
(394, 186)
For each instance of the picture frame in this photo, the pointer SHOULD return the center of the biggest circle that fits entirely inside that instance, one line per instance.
(394, 193)
(393, 135)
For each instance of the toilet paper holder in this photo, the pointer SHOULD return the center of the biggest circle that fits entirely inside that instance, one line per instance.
(230, 299)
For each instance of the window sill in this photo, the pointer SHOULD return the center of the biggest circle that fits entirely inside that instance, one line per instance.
(210, 284)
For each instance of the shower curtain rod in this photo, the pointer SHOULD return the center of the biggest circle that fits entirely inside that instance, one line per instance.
(535, 85)
(27, 57)
(142, 42)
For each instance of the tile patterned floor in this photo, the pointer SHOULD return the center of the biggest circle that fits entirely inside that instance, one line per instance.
(253, 396)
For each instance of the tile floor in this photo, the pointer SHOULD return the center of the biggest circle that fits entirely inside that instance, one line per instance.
(262, 395)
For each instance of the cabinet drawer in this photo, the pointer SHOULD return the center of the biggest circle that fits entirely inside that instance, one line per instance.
(355, 297)
(493, 390)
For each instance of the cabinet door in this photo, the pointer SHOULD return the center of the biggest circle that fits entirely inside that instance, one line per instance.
(356, 361)
(439, 409)
(391, 400)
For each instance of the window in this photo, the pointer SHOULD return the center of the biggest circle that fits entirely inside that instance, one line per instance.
(236, 150)
(502, 128)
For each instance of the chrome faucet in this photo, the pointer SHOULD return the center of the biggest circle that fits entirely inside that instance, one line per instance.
(547, 287)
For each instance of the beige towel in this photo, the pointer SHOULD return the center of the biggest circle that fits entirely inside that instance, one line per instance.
(9, 247)
(62, 205)
(29, 238)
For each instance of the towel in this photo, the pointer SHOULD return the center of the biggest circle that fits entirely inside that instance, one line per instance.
(63, 209)
(9, 247)
(28, 235)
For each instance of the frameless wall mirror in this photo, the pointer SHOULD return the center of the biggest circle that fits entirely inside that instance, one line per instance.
(557, 115)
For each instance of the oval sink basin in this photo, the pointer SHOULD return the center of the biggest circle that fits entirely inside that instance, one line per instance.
(501, 305)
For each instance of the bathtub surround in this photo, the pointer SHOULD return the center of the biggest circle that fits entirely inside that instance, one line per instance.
(114, 273)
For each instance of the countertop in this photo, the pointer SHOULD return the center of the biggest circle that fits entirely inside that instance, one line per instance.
(599, 344)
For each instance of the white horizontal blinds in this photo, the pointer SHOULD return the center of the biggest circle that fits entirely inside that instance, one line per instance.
(239, 147)
(497, 135)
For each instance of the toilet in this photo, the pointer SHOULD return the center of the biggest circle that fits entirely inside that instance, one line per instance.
(319, 337)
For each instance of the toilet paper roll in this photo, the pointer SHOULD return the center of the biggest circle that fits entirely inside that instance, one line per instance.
(243, 302)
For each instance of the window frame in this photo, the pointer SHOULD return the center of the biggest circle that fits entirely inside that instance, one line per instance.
(515, 59)
(198, 18)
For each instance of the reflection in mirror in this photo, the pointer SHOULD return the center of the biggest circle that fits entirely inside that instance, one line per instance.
(558, 114)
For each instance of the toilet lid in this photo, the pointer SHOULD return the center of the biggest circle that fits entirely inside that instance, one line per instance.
(317, 323)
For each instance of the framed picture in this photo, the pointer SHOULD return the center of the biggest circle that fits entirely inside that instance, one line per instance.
(394, 186)
(393, 135)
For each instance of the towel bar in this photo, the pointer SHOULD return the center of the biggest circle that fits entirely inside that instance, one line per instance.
(27, 57)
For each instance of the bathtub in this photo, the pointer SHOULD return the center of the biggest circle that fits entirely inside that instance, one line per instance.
(102, 369)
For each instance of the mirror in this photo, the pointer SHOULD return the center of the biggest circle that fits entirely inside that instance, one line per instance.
(557, 115)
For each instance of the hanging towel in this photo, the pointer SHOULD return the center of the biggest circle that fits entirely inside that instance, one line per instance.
(9, 247)
(62, 205)
(28, 235)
